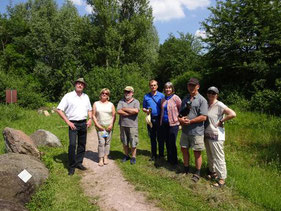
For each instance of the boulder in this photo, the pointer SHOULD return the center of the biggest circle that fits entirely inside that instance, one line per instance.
(14, 189)
(45, 138)
(18, 142)
(10, 206)
(46, 113)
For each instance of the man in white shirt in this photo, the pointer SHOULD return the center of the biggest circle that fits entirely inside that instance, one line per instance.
(74, 109)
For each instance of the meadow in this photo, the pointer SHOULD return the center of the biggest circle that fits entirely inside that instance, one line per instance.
(253, 148)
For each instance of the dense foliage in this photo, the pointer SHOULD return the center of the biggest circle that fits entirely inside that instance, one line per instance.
(45, 48)
(244, 51)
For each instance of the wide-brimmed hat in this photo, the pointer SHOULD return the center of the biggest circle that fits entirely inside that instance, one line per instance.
(81, 80)
(193, 81)
(214, 89)
(129, 89)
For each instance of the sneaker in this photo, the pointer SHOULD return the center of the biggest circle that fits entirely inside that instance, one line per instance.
(125, 158)
(133, 161)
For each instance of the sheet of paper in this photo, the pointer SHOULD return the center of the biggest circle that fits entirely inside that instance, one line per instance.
(221, 134)
(25, 176)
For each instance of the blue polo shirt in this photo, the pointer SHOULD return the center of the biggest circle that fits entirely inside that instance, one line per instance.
(148, 102)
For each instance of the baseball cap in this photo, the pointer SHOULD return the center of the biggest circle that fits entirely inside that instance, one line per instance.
(193, 81)
(129, 89)
(214, 89)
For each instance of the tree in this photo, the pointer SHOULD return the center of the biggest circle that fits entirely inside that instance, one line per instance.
(178, 56)
(244, 44)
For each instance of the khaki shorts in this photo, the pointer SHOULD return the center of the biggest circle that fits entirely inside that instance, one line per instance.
(129, 135)
(196, 143)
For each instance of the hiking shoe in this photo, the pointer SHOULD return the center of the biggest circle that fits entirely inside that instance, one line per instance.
(71, 171)
(133, 161)
(81, 167)
(125, 158)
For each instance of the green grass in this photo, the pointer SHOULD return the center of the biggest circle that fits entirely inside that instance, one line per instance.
(60, 192)
(253, 144)
(253, 163)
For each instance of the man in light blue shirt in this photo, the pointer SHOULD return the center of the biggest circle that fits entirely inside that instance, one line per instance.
(152, 106)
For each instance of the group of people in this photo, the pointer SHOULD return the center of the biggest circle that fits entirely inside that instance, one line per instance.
(202, 124)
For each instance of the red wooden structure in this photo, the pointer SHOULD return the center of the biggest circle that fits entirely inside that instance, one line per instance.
(11, 96)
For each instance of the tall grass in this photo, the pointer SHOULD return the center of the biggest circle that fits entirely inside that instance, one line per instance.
(253, 161)
(60, 192)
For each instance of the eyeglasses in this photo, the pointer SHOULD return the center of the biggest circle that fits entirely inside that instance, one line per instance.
(127, 92)
(105, 93)
(211, 93)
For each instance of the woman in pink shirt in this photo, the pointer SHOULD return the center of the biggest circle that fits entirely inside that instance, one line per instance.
(170, 106)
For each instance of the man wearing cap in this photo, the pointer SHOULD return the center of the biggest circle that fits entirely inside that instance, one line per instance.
(152, 106)
(74, 109)
(193, 127)
(128, 109)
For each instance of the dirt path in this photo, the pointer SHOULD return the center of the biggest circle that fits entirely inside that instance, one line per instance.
(107, 183)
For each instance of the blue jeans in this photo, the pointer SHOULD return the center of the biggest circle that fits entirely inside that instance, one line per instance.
(154, 134)
(74, 158)
(169, 134)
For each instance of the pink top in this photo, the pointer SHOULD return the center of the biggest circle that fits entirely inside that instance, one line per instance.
(173, 108)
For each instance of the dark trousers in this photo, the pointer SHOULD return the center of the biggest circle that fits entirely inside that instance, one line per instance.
(74, 158)
(169, 134)
(154, 134)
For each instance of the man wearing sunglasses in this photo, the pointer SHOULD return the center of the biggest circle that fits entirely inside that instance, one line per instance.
(193, 127)
(152, 106)
(74, 109)
(128, 109)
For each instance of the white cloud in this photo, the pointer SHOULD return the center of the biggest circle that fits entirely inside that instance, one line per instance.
(201, 33)
(78, 2)
(89, 8)
(165, 10)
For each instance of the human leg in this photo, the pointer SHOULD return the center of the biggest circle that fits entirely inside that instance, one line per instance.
(72, 148)
(219, 159)
(152, 136)
(173, 132)
(210, 158)
(81, 148)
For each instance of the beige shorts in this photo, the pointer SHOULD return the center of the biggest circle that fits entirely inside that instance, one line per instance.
(196, 143)
(129, 135)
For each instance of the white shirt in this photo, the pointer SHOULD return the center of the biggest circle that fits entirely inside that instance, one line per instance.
(104, 113)
(215, 114)
(75, 107)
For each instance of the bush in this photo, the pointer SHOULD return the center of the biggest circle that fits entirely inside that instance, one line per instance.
(180, 82)
(115, 79)
(268, 101)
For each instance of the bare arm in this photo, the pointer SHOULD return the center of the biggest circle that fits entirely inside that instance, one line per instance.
(113, 119)
(89, 122)
(69, 123)
(122, 113)
(185, 121)
(131, 111)
(230, 114)
(95, 119)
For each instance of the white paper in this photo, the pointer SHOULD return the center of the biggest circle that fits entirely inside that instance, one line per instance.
(25, 176)
(221, 134)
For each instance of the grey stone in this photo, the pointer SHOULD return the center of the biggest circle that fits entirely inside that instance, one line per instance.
(10, 206)
(12, 188)
(45, 138)
(46, 113)
(18, 142)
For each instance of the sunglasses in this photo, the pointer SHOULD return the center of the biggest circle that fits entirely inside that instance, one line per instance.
(105, 93)
(211, 93)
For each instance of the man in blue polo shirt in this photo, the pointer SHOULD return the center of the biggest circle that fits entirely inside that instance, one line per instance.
(152, 105)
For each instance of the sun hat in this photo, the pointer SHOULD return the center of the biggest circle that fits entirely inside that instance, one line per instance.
(129, 89)
(214, 89)
(81, 80)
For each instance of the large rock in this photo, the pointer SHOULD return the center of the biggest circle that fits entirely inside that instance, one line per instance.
(12, 188)
(10, 206)
(18, 142)
(45, 138)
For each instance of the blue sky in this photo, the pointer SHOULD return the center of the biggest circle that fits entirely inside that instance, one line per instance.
(170, 16)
